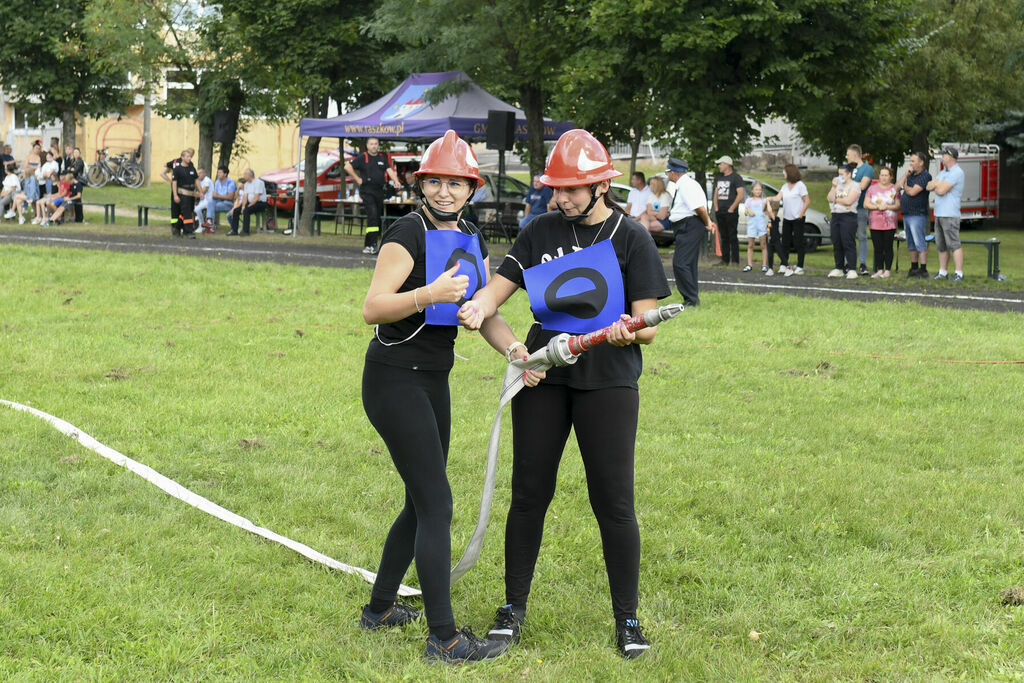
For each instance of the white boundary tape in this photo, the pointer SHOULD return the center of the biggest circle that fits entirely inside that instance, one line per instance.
(178, 491)
(876, 292)
(178, 248)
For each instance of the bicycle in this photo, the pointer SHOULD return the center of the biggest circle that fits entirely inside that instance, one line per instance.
(122, 168)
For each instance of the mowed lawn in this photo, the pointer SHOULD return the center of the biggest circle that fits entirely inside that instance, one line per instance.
(844, 479)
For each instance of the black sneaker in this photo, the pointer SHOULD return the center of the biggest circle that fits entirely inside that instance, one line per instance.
(864, 269)
(630, 639)
(507, 625)
(922, 272)
(463, 647)
(398, 614)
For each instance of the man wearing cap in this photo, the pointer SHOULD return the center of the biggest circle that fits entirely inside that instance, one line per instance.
(538, 200)
(690, 220)
(948, 187)
(729, 194)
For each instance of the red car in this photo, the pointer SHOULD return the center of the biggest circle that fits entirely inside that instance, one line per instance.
(329, 171)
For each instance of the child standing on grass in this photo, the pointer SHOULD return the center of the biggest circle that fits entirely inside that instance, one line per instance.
(757, 225)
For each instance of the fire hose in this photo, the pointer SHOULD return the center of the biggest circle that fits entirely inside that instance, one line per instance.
(560, 351)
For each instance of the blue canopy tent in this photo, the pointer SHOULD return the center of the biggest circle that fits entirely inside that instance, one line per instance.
(405, 114)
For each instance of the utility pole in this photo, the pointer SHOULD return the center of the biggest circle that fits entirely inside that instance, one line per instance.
(147, 142)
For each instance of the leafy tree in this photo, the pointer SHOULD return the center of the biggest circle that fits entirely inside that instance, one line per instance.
(308, 68)
(513, 48)
(944, 82)
(699, 75)
(50, 66)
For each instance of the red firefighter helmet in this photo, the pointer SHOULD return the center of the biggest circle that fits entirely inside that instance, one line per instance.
(450, 155)
(578, 159)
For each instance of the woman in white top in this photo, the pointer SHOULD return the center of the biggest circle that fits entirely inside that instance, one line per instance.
(655, 218)
(795, 201)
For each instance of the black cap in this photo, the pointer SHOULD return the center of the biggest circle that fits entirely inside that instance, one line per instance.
(951, 151)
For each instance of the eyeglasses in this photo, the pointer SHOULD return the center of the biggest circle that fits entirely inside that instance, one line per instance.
(454, 186)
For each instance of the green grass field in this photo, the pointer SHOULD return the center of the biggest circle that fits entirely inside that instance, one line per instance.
(840, 477)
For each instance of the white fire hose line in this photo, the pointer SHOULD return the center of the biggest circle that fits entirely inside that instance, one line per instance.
(178, 491)
(842, 290)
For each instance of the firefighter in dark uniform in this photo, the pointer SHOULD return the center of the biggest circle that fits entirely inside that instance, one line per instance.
(183, 193)
(598, 396)
(166, 174)
(371, 170)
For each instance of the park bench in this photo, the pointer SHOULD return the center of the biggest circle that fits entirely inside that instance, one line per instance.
(991, 244)
(144, 212)
(108, 211)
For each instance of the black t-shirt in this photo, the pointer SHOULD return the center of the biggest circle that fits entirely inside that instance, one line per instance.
(373, 169)
(185, 176)
(432, 348)
(643, 277)
(76, 191)
(726, 187)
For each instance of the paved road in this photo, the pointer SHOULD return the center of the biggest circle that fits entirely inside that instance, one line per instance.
(285, 250)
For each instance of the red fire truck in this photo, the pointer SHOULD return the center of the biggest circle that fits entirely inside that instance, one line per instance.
(980, 164)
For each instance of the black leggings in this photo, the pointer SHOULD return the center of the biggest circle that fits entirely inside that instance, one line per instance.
(411, 410)
(792, 237)
(882, 241)
(605, 424)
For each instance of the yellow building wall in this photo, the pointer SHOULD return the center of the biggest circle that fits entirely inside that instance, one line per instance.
(267, 146)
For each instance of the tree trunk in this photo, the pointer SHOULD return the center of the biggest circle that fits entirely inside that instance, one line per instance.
(236, 98)
(308, 207)
(204, 154)
(67, 118)
(634, 149)
(533, 106)
(227, 146)
(920, 142)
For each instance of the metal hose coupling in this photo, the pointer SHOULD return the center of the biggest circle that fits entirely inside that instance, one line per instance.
(558, 352)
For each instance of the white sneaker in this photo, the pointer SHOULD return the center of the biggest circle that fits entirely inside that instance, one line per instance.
(21, 220)
(789, 271)
(764, 269)
(9, 214)
(798, 271)
(747, 268)
(769, 272)
(835, 272)
(851, 274)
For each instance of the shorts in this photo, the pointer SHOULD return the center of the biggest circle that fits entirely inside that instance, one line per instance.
(916, 229)
(58, 201)
(757, 228)
(947, 233)
(665, 223)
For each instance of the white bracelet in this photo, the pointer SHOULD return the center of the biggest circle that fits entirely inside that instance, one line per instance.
(415, 300)
(510, 348)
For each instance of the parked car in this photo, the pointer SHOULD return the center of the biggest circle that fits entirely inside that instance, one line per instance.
(329, 177)
(816, 230)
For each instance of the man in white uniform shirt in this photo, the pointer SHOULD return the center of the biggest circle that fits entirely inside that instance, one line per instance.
(690, 220)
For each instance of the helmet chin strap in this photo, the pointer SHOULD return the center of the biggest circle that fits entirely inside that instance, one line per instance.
(586, 212)
(443, 216)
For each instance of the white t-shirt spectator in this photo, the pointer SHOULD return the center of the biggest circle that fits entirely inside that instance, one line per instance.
(256, 191)
(204, 187)
(689, 197)
(46, 169)
(637, 201)
(793, 200)
(658, 203)
(11, 184)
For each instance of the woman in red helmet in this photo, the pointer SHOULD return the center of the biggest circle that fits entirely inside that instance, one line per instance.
(584, 266)
(429, 261)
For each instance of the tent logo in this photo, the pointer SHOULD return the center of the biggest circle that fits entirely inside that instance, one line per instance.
(411, 101)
